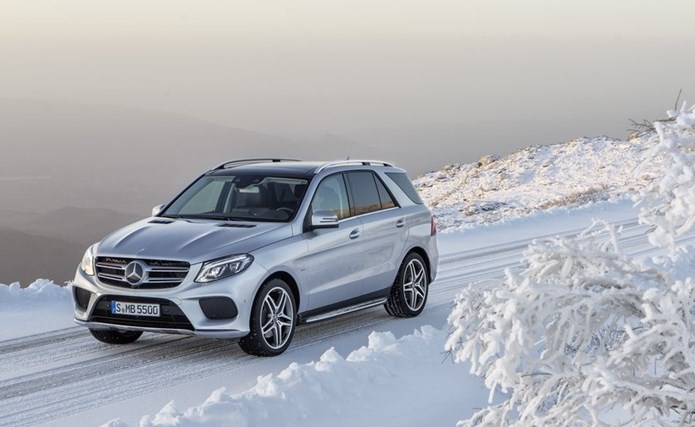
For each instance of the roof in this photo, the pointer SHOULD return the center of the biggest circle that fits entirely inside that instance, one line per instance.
(287, 167)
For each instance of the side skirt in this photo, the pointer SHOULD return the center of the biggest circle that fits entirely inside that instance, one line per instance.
(335, 310)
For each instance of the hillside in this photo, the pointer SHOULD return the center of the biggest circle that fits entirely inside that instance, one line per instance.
(25, 257)
(536, 178)
(78, 225)
(51, 244)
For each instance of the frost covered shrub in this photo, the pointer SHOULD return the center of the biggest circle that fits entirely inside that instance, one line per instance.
(550, 333)
(585, 334)
(668, 203)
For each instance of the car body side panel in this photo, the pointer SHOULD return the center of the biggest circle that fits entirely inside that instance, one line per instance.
(334, 265)
(384, 242)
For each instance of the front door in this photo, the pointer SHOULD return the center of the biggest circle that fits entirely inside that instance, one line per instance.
(335, 264)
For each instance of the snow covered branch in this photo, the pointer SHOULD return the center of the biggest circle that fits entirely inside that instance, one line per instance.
(668, 203)
(561, 335)
(585, 335)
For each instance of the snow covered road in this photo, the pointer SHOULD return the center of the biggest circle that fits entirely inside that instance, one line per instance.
(65, 377)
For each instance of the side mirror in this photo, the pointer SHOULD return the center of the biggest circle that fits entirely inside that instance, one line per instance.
(157, 210)
(323, 219)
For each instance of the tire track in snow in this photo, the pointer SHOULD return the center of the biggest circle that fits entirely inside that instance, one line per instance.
(77, 371)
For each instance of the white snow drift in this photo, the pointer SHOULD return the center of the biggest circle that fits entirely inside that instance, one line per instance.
(376, 385)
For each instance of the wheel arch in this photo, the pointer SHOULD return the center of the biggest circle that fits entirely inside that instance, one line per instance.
(287, 278)
(423, 254)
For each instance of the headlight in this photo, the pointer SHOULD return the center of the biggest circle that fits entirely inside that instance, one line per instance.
(221, 268)
(87, 264)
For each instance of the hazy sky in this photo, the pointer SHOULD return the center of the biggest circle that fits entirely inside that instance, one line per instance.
(303, 67)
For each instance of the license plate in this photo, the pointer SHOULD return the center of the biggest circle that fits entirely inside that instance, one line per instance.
(134, 309)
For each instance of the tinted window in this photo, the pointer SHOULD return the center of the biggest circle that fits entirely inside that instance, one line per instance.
(403, 182)
(331, 196)
(384, 196)
(364, 192)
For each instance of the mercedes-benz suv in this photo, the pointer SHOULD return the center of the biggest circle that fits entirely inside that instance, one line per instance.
(254, 247)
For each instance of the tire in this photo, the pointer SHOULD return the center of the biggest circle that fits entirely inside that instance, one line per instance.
(115, 337)
(410, 289)
(273, 320)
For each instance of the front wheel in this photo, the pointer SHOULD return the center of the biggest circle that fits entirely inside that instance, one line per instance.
(115, 337)
(409, 291)
(273, 319)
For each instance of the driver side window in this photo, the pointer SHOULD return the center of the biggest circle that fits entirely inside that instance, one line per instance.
(331, 196)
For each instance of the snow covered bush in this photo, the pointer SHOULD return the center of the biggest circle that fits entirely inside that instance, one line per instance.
(668, 203)
(585, 335)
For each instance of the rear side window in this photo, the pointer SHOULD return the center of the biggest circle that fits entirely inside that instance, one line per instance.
(364, 192)
(403, 182)
(386, 199)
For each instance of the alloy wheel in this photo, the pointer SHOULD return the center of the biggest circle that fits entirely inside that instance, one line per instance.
(277, 317)
(415, 284)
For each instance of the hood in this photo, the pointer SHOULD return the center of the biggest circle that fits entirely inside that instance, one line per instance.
(193, 241)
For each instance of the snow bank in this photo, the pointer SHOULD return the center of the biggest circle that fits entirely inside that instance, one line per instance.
(571, 174)
(389, 382)
(40, 307)
(41, 291)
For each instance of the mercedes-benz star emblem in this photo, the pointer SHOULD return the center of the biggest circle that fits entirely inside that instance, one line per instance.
(135, 273)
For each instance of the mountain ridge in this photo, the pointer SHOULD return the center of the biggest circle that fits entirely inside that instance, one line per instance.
(539, 177)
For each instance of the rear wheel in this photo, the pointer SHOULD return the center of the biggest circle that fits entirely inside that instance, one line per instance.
(115, 337)
(409, 291)
(273, 319)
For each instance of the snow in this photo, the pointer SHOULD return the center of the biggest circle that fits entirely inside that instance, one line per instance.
(375, 385)
(537, 178)
(397, 377)
(585, 327)
(381, 380)
(40, 307)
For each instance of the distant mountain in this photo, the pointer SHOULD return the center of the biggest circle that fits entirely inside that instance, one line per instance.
(55, 154)
(77, 225)
(25, 257)
(50, 245)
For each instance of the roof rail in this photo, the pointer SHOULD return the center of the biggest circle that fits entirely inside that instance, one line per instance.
(354, 162)
(240, 162)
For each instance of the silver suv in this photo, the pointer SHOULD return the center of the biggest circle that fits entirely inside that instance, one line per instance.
(254, 247)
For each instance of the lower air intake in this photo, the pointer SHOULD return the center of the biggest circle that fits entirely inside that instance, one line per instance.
(81, 297)
(218, 308)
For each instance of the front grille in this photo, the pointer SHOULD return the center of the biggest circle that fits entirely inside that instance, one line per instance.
(171, 316)
(159, 274)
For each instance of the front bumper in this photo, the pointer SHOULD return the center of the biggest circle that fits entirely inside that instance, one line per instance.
(200, 332)
(181, 309)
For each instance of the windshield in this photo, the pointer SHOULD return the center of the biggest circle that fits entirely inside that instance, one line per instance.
(240, 197)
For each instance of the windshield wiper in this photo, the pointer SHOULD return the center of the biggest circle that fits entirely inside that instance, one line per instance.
(175, 216)
(213, 217)
(221, 217)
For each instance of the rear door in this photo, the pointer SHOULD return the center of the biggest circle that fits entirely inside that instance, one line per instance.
(385, 230)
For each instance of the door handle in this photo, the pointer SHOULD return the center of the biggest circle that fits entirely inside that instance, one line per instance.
(354, 234)
(400, 223)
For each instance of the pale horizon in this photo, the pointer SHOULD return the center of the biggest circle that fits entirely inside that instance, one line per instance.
(308, 68)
